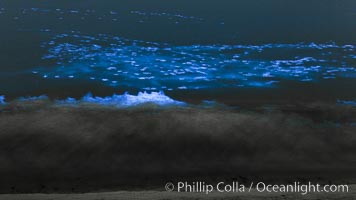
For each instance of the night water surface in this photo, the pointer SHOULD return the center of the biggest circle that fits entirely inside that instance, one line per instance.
(232, 52)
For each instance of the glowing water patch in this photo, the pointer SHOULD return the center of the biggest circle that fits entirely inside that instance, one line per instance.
(2, 99)
(352, 103)
(121, 62)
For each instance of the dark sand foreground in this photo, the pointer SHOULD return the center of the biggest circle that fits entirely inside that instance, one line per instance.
(153, 195)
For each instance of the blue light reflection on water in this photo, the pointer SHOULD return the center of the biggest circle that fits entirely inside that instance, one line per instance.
(150, 66)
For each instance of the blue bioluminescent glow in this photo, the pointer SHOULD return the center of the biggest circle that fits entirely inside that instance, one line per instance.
(2, 99)
(352, 103)
(121, 62)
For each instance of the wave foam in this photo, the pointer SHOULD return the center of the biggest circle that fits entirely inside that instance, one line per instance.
(127, 100)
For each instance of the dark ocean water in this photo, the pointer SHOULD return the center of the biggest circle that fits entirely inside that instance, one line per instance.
(230, 51)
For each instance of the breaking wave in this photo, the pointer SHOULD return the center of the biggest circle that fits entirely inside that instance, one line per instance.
(124, 100)
(128, 100)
